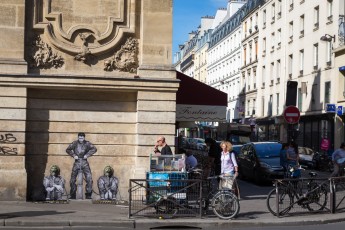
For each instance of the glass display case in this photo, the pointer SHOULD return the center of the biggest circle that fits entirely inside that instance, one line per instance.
(167, 163)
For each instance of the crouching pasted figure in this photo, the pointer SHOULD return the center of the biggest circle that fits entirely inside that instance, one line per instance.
(54, 184)
(108, 184)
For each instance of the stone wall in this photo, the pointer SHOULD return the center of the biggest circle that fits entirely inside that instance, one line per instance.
(102, 67)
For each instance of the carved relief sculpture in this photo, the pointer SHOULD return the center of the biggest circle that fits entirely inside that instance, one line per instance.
(85, 51)
(43, 56)
(125, 59)
(108, 21)
(54, 184)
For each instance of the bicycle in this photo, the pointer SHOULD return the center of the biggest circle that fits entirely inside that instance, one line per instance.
(225, 203)
(313, 198)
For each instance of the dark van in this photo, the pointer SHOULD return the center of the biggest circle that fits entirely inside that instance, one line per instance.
(260, 161)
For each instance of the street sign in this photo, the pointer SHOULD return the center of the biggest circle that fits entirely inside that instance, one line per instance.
(291, 114)
(331, 108)
(340, 110)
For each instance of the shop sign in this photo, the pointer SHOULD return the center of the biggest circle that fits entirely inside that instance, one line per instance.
(330, 108)
(324, 144)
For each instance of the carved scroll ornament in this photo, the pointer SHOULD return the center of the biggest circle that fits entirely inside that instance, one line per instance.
(64, 20)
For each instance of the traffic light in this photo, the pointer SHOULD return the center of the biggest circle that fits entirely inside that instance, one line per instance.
(291, 93)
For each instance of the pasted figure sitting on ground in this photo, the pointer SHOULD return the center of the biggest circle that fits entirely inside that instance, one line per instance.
(108, 184)
(54, 184)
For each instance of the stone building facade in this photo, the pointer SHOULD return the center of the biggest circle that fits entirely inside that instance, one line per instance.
(93, 66)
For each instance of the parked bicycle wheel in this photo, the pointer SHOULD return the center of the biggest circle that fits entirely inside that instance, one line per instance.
(317, 198)
(285, 201)
(225, 205)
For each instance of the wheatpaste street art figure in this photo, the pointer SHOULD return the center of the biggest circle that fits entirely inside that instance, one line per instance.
(108, 184)
(54, 184)
(80, 150)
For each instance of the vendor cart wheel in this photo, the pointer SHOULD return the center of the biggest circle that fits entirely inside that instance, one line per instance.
(166, 206)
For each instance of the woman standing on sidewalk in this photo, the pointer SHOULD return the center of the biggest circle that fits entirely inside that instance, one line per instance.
(229, 165)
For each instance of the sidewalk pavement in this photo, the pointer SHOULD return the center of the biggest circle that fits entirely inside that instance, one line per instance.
(82, 213)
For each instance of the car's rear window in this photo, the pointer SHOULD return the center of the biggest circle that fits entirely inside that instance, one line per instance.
(268, 150)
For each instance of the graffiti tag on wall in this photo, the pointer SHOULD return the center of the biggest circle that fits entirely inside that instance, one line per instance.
(5, 139)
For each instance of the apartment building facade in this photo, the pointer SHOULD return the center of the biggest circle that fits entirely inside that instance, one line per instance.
(283, 41)
(292, 50)
(250, 46)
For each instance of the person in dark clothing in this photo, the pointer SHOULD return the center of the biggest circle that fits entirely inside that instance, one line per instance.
(214, 155)
(166, 150)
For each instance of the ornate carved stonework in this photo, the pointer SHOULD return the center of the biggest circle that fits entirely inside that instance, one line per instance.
(85, 52)
(64, 20)
(43, 56)
(125, 59)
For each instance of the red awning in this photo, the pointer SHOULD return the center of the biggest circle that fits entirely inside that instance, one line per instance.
(196, 101)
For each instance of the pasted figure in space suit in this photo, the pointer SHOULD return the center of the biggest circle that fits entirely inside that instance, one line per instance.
(54, 184)
(80, 150)
(108, 184)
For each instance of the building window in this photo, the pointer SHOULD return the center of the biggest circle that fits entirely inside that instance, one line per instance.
(253, 110)
(316, 56)
(245, 29)
(273, 12)
(316, 17)
(263, 75)
(245, 56)
(264, 19)
(301, 61)
(329, 53)
(279, 9)
(278, 71)
(270, 105)
(291, 4)
(299, 96)
(277, 103)
(301, 20)
(248, 108)
(264, 46)
(272, 40)
(263, 106)
(329, 9)
(327, 92)
(291, 31)
(256, 50)
(290, 65)
(271, 72)
(279, 36)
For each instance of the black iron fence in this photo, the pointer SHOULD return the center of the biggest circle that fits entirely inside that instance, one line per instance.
(296, 196)
(165, 198)
(337, 194)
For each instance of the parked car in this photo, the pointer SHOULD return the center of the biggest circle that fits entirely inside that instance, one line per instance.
(260, 161)
(198, 143)
(186, 142)
(306, 157)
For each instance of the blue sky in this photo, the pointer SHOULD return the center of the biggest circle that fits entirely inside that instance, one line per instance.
(187, 15)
